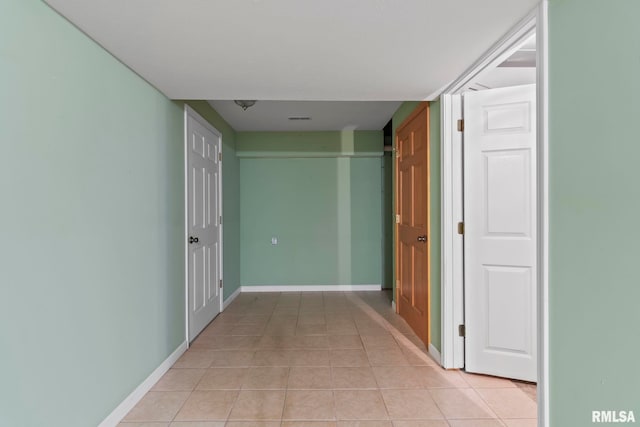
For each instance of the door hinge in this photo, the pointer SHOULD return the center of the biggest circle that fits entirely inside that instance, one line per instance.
(219, 156)
(220, 219)
(397, 219)
(462, 331)
(461, 228)
(220, 283)
(461, 125)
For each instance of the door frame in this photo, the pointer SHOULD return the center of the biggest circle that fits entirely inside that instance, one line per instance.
(453, 195)
(452, 294)
(189, 112)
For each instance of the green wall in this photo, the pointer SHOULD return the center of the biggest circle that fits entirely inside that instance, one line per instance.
(91, 186)
(310, 144)
(231, 196)
(320, 194)
(387, 220)
(594, 206)
(399, 116)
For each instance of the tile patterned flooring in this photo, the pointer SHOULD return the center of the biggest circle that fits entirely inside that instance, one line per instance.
(326, 359)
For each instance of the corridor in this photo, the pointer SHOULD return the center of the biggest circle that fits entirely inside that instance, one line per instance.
(326, 359)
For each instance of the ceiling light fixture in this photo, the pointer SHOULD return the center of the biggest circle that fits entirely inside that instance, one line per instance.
(244, 104)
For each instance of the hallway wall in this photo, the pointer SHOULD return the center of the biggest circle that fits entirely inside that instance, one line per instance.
(594, 206)
(388, 219)
(320, 194)
(91, 178)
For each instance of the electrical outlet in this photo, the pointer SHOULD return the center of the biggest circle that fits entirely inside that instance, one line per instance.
(274, 241)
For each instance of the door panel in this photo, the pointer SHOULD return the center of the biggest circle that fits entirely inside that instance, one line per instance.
(507, 321)
(412, 204)
(508, 198)
(197, 198)
(199, 273)
(204, 224)
(500, 232)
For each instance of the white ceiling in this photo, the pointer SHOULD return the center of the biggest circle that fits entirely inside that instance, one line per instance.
(348, 50)
(324, 115)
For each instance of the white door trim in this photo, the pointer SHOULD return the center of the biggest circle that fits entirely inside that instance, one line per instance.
(452, 260)
(497, 53)
(452, 350)
(543, 211)
(190, 112)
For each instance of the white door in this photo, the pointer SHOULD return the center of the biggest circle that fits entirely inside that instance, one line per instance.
(500, 232)
(203, 222)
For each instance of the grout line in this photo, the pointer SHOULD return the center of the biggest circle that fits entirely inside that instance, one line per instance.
(356, 308)
(181, 406)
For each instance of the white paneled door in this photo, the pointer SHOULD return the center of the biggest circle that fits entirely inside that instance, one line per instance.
(204, 223)
(500, 232)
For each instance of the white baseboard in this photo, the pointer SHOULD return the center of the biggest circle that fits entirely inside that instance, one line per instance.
(435, 354)
(127, 404)
(232, 297)
(311, 288)
(393, 305)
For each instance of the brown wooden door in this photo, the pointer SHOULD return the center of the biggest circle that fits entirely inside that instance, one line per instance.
(412, 206)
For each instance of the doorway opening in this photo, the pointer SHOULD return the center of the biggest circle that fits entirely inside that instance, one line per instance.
(494, 196)
(500, 218)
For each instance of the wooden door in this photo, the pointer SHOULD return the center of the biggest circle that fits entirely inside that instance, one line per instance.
(412, 208)
(205, 231)
(500, 232)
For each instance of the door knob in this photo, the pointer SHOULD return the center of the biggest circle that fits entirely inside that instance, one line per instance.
(193, 239)
(422, 238)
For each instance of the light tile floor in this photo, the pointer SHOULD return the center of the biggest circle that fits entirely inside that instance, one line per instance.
(326, 359)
